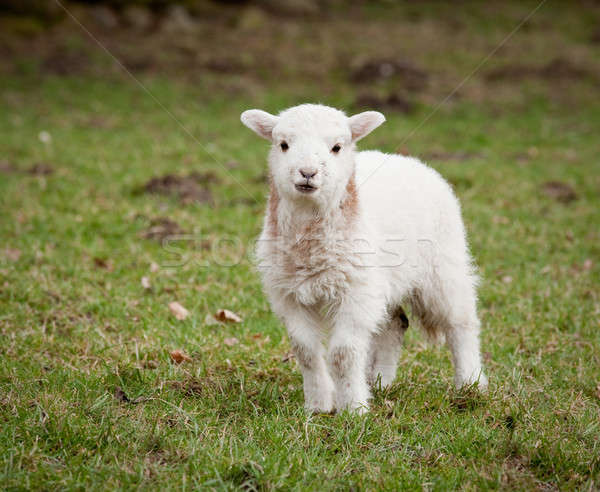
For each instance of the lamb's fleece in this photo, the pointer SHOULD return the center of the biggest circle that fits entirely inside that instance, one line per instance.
(348, 239)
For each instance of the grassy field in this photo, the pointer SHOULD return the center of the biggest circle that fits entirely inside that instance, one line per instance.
(90, 396)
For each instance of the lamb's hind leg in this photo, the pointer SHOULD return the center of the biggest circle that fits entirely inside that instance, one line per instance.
(449, 307)
(385, 349)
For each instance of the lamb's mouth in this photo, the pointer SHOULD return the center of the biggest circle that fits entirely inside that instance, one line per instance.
(305, 188)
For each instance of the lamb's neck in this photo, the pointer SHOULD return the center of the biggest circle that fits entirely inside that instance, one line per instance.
(289, 220)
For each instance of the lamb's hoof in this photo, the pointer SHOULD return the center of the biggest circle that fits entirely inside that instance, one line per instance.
(380, 382)
(479, 382)
(356, 408)
(317, 407)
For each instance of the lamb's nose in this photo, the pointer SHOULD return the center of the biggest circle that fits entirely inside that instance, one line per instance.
(308, 173)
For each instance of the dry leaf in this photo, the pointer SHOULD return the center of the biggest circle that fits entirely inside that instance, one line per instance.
(227, 316)
(507, 279)
(230, 342)
(104, 263)
(210, 320)
(146, 283)
(154, 267)
(587, 264)
(178, 356)
(178, 310)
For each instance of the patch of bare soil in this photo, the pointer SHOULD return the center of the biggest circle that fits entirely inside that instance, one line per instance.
(37, 169)
(160, 228)
(224, 65)
(62, 61)
(192, 188)
(411, 77)
(557, 69)
(41, 169)
(392, 102)
(561, 192)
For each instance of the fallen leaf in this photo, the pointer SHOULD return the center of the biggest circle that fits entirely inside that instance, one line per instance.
(178, 356)
(230, 342)
(587, 264)
(227, 316)
(104, 263)
(161, 228)
(146, 283)
(507, 279)
(154, 267)
(210, 320)
(178, 310)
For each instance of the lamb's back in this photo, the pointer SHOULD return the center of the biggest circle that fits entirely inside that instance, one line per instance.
(401, 195)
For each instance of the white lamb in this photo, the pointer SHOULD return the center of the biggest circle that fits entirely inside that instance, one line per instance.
(348, 238)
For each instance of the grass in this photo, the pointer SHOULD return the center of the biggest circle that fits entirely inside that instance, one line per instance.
(89, 395)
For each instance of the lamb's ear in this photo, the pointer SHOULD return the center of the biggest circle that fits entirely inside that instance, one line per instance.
(362, 124)
(260, 122)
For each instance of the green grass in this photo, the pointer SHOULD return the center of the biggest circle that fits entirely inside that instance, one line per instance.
(76, 324)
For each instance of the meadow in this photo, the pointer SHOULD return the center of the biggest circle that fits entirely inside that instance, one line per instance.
(126, 186)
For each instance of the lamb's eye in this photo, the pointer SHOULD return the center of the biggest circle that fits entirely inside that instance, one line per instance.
(284, 146)
(336, 148)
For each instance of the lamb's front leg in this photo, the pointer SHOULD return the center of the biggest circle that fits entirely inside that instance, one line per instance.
(305, 339)
(347, 357)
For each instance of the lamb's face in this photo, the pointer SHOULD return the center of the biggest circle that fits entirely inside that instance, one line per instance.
(312, 154)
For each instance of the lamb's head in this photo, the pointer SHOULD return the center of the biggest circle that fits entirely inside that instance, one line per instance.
(312, 154)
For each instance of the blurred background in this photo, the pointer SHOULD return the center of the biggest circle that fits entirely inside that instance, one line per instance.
(391, 55)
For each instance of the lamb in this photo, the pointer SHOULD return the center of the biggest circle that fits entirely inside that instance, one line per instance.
(348, 239)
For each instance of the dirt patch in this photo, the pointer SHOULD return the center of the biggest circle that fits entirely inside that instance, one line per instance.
(406, 73)
(161, 228)
(224, 65)
(40, 169)
(561, 192)
(65, 62)
(392, 102)
(192, 188)
(557, 69)
(37, 169)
